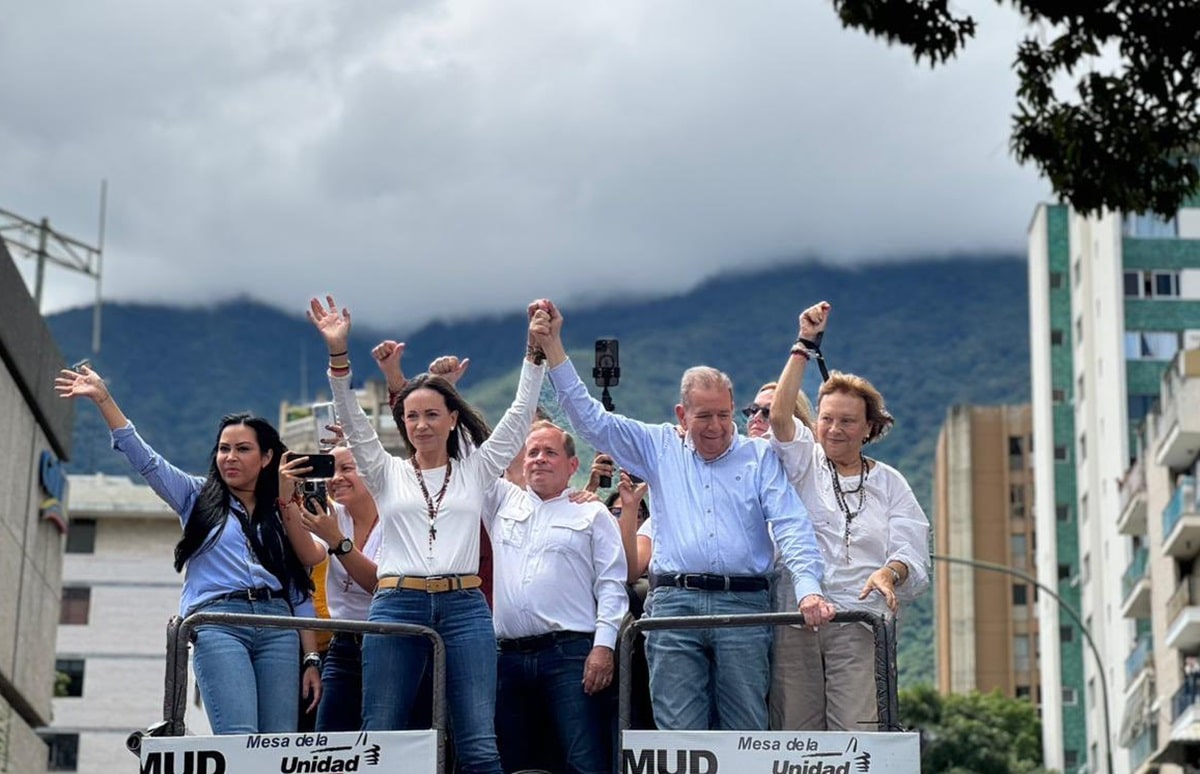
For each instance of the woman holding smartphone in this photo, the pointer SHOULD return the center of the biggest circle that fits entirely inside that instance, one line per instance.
(237, 560)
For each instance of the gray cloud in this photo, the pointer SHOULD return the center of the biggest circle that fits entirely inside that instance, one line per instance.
(446, 158)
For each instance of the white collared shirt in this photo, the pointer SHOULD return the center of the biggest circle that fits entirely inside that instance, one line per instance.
(891, 526)
(557, 566)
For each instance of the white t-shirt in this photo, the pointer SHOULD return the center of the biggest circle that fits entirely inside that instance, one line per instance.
(346, 599)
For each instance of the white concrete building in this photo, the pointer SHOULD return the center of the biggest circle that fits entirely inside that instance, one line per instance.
(1112, 300)
(119, 591)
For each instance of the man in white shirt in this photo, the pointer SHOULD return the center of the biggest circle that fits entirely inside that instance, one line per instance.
(559, 593)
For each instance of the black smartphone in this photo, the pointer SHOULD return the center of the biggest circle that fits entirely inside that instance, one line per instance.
(635, 479)
(607, 370)
(321, 464)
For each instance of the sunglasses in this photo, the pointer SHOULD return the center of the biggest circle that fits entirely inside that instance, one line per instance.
(754, 408)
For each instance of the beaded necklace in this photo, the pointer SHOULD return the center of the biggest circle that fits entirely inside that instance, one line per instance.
(840, 495)
(433, 505)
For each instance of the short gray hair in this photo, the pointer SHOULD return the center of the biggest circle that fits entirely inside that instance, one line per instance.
(705, 378)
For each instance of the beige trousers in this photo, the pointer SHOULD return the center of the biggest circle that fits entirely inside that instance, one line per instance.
(824, 680)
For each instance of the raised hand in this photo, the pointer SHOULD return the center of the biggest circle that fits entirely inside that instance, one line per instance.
(449, 367)
(814, 319)
(631, 494)
(387, 356)
(84, 383)
(334, 326)
(602, 467)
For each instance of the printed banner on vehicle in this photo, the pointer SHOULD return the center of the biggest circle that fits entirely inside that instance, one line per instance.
(373, 752)
(768, 752)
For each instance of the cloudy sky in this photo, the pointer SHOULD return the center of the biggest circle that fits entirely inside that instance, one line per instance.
(426, 158)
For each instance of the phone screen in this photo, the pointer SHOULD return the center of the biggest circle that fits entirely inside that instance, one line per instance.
(322, 415)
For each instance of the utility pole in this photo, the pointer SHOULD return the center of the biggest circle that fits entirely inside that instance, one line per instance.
(37, 240)
(1070, 611)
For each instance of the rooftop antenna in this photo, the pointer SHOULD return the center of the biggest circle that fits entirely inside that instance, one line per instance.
(37, 240)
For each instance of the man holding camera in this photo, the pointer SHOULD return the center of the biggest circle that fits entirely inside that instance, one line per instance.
(712, 494)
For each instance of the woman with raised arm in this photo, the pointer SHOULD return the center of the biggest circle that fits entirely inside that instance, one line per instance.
(430, 506)
(871, 529)
(238, 560)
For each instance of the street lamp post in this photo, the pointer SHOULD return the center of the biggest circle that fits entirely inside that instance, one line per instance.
(1087, 636)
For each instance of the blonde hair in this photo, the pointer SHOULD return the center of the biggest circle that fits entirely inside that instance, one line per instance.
(802, 410)
(879, 420)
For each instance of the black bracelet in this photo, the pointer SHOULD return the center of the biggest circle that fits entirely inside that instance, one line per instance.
(339, 354)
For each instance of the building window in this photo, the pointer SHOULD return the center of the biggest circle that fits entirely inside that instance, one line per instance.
(1062, 512)
(1086, 575)
(1018, 554)
(1070, 697)
(1058, 395)
(1020, 594)
(1079, 392)
(70, 677)
(81, 536)
(1021, 652)
(1056, 337)
(1091, 692)
(63, 752)
(76, 603)
(1152, 345)
(1075, 268)
(1149, 226)
(1016, 501)
(1064, 572)
(1022, 692)
(1070, 757)
(1078, 331)
(1083, 447)
(1060, 452)
(1056, 280)
(1066, 634)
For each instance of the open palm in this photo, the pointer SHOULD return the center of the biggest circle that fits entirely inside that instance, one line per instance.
(333, 325)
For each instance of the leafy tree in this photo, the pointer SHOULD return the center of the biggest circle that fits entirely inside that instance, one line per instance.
(984, 733)
(1129, 140)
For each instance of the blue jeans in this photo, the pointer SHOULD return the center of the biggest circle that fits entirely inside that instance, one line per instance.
(249, 677)
(545, 686)
(341, 685)
(393, 665)
(704, 679)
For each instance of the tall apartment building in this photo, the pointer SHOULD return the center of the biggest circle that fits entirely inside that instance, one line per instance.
(986, 628)
(36, 438)
(119, 591)
(1112, 300)
(1160, 721)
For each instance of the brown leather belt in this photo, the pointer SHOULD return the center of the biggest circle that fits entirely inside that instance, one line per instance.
(434, 584)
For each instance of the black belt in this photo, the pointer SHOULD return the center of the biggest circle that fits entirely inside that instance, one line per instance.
(260, 594)
(541, 641)
(702, 581)
(355, 637)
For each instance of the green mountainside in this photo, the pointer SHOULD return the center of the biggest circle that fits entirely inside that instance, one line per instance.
(928, 333)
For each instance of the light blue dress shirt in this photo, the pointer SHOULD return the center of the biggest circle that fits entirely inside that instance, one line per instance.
(230, 563)
(710, 516)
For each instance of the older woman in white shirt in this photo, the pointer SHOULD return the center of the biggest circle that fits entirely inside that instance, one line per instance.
(871, 529)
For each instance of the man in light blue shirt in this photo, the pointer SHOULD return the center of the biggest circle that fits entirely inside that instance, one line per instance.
(712, 494)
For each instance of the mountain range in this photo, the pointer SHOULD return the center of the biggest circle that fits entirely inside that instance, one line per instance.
(929, 333)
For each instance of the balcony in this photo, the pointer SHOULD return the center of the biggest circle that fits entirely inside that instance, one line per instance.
(1132, 519)
(1145, 745)
(1183, 617)
(1181, 521)
(1185, 713)
(1138, 660)
(1179, 426)
(1135, 586)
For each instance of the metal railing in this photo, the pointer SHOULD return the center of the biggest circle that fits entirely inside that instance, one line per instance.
(1183, 500)
(179, 633)
(1137, 569)
(885, 653)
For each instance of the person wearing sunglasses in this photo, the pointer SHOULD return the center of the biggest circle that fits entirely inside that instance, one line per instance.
(873, 535)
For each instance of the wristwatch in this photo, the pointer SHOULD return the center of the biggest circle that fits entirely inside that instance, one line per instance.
(343, 547)
(312, 660)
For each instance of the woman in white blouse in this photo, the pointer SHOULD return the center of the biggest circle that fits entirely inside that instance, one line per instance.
(871, 529)
(429, 511)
